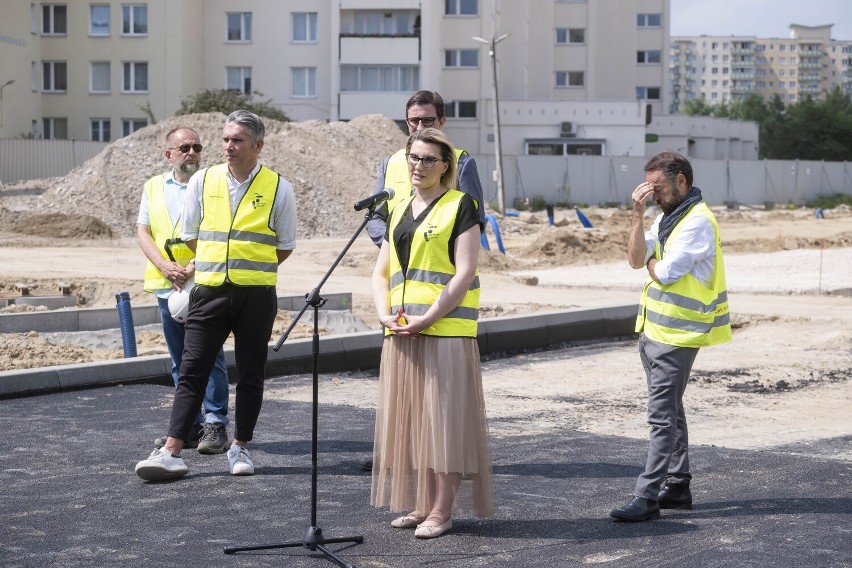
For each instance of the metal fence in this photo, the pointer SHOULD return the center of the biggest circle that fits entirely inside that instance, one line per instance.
(598, 180)
(22, 159)
(591, 180)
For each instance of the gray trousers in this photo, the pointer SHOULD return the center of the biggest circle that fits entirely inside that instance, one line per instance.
(667, 369)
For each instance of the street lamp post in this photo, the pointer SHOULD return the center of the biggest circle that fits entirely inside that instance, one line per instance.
(498, 149)
(6, 84)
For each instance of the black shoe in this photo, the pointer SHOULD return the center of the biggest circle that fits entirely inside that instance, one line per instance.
(367, 465)
(637, 509)
(214, 440)
(675, 496)
(197, 430)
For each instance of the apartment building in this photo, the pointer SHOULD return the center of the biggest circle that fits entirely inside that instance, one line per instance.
(575, 77)
(721, 69)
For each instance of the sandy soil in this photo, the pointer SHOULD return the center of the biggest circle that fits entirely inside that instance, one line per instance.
(784, 379)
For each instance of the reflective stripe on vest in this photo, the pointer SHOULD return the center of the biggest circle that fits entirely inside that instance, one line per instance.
(430, 270)
(686, 313)
(398, 178)
(242, 251)
(162, 229)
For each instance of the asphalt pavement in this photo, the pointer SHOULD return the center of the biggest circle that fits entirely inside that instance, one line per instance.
(69, 497)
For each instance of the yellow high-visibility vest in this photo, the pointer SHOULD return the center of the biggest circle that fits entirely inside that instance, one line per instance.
(242, 251)
(686, 313)
(430, 269)
(163, 228)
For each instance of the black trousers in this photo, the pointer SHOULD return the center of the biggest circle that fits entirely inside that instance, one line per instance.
(215, 312)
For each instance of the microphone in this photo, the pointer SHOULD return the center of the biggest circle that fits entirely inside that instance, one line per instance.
(375, 199)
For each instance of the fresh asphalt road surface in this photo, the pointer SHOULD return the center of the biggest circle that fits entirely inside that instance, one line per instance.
(69, 497)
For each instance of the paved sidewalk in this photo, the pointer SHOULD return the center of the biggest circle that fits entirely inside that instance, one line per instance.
(69, 497)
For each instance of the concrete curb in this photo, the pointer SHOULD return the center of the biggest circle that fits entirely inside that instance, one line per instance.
(510, 334)
(95, 319)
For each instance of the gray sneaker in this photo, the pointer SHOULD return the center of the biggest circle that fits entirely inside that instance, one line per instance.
(214, 440)
(239, 460)
(160, 465)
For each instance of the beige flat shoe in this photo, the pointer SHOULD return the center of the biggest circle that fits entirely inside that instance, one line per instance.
(407, 522)
(426, 531)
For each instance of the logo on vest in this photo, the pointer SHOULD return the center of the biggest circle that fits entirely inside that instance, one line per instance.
(257, 201)
(430, 233)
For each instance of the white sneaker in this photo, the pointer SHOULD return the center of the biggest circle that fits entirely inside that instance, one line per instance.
(160, 465)
(238, 458)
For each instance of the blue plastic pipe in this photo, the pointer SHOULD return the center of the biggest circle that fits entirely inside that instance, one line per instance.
(125, 319)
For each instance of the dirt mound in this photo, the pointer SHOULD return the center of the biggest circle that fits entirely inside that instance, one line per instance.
(331, 166)
(59, 225)
(30, 350)
(570, 245)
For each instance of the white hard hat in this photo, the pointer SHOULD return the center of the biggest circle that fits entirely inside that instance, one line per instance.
(179, 302)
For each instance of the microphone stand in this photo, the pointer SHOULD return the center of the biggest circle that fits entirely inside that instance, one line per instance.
(314, 539)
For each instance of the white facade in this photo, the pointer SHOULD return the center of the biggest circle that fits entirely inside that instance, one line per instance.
(575, 76)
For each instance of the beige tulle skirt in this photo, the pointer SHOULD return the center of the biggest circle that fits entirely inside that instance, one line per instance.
(430, 418)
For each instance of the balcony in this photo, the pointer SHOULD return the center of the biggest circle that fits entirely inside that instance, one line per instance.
(809, 64)
(744, 74)
(379, 50)
(809, 89)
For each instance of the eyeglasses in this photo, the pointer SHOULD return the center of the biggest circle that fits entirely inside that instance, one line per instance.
(426, 120)
(428, 161)
(185, 148)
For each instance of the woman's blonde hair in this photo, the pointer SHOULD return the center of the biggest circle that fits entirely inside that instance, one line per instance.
(448, 153)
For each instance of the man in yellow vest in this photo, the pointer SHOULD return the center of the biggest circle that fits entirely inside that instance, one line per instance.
(159, 222)
(684, 307)
(425, 109)
(240, 219)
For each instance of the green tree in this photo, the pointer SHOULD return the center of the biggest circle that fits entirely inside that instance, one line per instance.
(227, 101)
(697, 107)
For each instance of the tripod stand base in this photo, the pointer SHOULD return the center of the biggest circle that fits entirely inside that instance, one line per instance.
(314, 540)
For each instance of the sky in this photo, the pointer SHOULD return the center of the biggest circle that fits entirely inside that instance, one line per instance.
(761, 18)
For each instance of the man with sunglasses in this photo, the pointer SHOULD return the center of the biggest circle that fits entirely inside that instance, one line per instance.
(425, 109)
(159, 222)
(240, 219)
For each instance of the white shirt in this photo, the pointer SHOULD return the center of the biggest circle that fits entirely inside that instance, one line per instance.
(283, 220)
(174, 192)
(692, 251)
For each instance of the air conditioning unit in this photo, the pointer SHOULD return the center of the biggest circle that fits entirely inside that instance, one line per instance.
(567, 130)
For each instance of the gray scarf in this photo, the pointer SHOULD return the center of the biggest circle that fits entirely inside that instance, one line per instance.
(670, 220)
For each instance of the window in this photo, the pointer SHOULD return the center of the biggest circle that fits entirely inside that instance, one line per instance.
(135, 79)
(782, 47)
(460, 7)
(55, 128)
(571, 35)
(460, 109)
(134, 19)
(238, 79)
(54, 19)
(570, 78)
(99, 129)
(99, 20)
(131, 125)
(54, 76)
(650, 21)
(648, 93)
(461, 58)
(99, 77)
(305, 26)
(648, 57)
(238, 27)
(385, 78)
(545, 149)
(304, 81)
